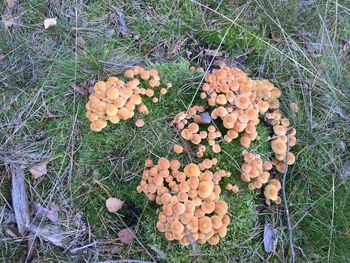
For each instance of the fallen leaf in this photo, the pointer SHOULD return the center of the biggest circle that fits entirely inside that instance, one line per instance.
(42, 212)
(294, 107)
(213, 53)
(39, 169)
(275, 37)
(123, 29)
(79, 89)
(126, 235)
(49, 22)
(81, 42)
(114, 204)
(8, 21)
(268, 237)
(10, 3)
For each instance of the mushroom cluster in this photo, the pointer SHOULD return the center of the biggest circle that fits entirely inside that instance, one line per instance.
(255, 170)
(116, 100)
(282, 133)
(271, 191)
(191, 128)
(191, 206)
(236, 102)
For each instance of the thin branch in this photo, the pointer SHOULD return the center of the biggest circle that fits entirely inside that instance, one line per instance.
(290, 227)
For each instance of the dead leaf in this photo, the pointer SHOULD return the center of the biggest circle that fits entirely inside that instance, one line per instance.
(41, 212)
(8, 21)
(126, 235)
(294, 107)
(114, 204)
(81, 42)
(49, 22)
(275, 37)
(10, 3)
(79, 89)
(268, 237)
(39, 169)
(123, 29)
(213, 53)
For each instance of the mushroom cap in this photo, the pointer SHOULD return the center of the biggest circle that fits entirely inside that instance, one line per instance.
(245, 141)
(100, 108)
(182, 196)
(216, 148)
(205, 224)
(189, 206)
(193, 127)
(208, 207)
(184, 187)
(193, 182)
(175, 165)
(221, 99)
(163, 91)
(113, 82)
(100, 86)
(216, 221)
(124, 114)
(129, 73)
(114, 204)
(278, 146)
(242, 101)
(165, 198)
(213, 240)
(112, 93)
(111, 109)
(135, 99)
(196, 139)
(145, 75)
(221, 207)
(229, 121)
(98, 125)
(125, 93)
(178, 148)
(163, 163)
(114, 119)
(91, 116)
(119, 102)
(205, 189)
(176, 227)
(291, 158)
(139, 123)
(222, 231)
(169, 235)
(192, 169)
(276, 183)
(226, 220)
(271, 192)
(179, 209)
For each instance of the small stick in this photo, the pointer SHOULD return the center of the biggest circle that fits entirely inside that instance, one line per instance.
(290, 227)
(19, 197)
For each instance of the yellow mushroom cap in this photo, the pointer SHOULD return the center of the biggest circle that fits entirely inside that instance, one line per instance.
(145, 75)
(100, 86)
(178, 148)
(165, 198)
(221, 207)
(208, 207)
(278, 146)
(163, 163)
(100, 108)
(129, 73)
(205, 225)
(111, 109)
(176, 227)
(242, 102)
(276, 183)
(112, 93)
(124, 114)
(213, 240)
(271, 192)
(154, 83)
(125, 93)
(205, 189)
(229, 121)
(192, 169)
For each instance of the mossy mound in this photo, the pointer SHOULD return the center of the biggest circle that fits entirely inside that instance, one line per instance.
(111, 162)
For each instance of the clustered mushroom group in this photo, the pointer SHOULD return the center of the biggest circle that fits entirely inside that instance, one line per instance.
(116, 100)
(191, 206)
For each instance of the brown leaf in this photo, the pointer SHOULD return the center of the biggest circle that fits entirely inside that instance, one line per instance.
(114, 204)
(10, 3)
(42, 212)
(49, 22)
(8, 21)
(275, 37)
(213, 53)
(39, 169)
(126, 235)
(79, 89)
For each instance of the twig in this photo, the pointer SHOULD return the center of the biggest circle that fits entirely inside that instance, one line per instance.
(19, 197)
(290, 227)
(300, 219)
(332, 222)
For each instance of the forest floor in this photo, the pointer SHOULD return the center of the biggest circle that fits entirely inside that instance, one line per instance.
(302, 47)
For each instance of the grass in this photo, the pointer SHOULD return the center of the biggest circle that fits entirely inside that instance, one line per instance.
(44, 118)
